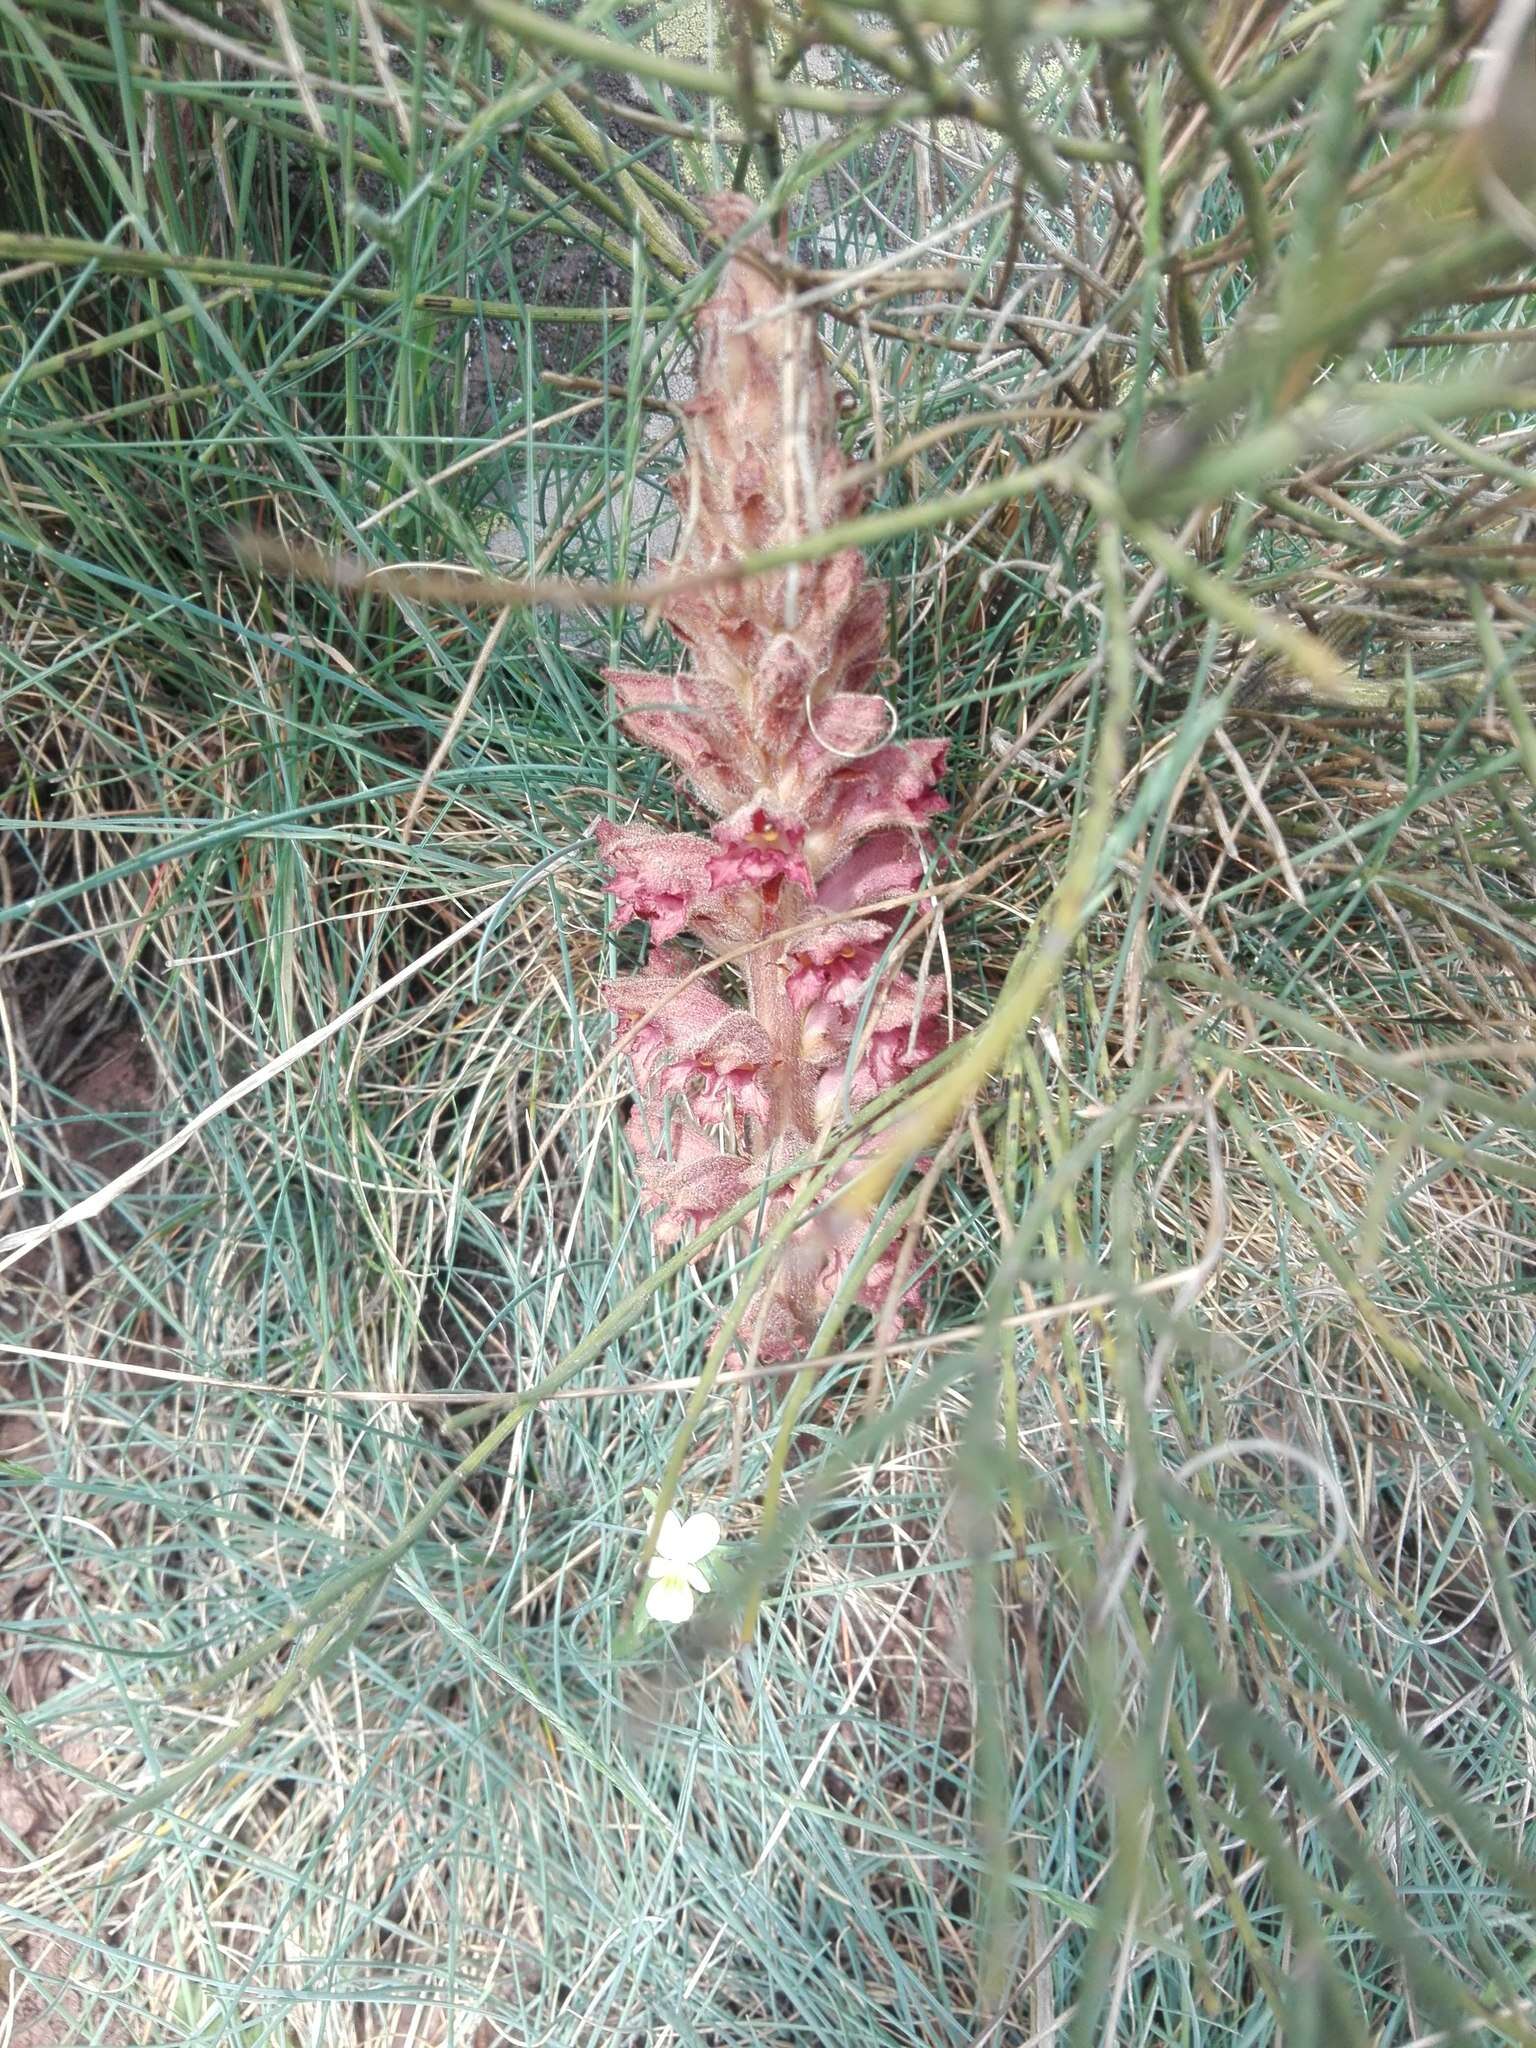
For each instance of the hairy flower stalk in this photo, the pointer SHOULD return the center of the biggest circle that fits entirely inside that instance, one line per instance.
(776, 727)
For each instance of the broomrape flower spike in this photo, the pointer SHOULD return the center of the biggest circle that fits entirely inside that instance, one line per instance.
(673, 1572)
(817, 817)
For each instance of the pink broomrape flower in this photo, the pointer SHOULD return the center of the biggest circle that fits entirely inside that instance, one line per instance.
(728, 1065)
(759, 848)
(664, 1007)
(834, 963)
(902, 1033)
(658, 876)
(776, 729)
(686, 1180)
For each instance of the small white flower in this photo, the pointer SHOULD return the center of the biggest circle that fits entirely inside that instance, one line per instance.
(674, 1571)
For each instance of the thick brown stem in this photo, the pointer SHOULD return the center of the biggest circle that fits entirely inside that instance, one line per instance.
(770, 1005)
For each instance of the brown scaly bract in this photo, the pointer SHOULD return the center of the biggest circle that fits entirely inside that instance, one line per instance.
(774, 725)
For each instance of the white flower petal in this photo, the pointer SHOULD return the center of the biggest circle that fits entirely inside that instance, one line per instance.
(696, 1538)
(694, 1577)
(661, 1568)
(671, 1535)
(669, 1599)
